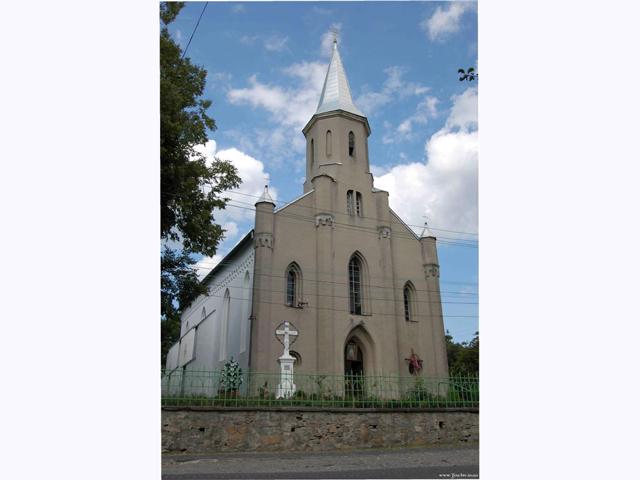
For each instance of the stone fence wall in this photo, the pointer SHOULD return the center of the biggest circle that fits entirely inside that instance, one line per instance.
(205, 430)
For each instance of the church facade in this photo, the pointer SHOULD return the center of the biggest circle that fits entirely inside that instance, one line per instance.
(359, 286)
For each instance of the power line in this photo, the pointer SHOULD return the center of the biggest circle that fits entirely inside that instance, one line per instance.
(287, 203)
(365, 314)
(312, 280)
(362, 228)
(290, 202)
(308, 218)
(194, 30)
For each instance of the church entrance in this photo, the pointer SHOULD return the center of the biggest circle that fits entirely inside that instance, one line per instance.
(353, 369)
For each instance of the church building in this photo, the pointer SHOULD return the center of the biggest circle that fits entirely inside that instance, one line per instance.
(358, 285)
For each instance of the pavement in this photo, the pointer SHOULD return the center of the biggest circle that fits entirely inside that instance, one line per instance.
(423, 462)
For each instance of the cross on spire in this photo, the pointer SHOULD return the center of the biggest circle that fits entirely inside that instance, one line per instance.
(335, 32)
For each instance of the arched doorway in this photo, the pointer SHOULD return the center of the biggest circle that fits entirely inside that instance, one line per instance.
(354, 368)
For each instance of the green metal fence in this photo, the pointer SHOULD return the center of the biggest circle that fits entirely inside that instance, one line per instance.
(253, 389)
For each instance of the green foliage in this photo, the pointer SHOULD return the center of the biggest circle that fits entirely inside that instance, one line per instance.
(463, 358)
(190, 187)
(179, 285)
(469, 75)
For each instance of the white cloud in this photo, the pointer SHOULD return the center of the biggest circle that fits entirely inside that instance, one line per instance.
(248, 39)
(275, 43)
(253, 176)
(394, 87)
(238, 8)
(290, 108)
(231, 230)
(445, 186)
(445, 21)
(271, 43)
(425, 110)
(206, 264)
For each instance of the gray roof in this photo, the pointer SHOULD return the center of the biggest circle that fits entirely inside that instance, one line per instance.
(336, 94)
(265, 197)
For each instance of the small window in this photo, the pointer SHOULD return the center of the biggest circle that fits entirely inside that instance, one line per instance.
(329, 146)
(350, 204)
(352, 144)
(311, 153)
(297, 358)
(294, 286)
(359, 204)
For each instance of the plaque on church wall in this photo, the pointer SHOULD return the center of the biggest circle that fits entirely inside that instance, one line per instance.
(187, 347)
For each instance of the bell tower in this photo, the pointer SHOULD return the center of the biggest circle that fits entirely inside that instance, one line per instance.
(337, 133)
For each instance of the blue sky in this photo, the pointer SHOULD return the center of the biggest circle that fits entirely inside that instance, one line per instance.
(266, 64)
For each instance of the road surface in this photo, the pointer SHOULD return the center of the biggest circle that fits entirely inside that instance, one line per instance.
(451, 462)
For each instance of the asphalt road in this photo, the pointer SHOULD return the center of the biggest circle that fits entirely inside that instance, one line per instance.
(458, 462)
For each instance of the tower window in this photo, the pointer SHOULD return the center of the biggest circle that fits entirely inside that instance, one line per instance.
(329, 146)
(311, 153)
(359, 204)
(352, 144)
(350, 203)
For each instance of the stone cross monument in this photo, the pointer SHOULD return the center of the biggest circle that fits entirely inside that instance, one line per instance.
(286, 388)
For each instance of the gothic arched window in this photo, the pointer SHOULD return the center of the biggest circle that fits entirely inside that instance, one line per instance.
(246, 290)
(329, 146)
(294, 285)
(355, 285)
(408, 294)
(359, 204)
(224, 327)
(352, 144)
(311, 153)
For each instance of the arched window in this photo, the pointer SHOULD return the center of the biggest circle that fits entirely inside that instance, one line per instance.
(311, 153)
(355, 285)
(408, 294)
(352, 144)
(359, 204)
(350, 205)
(224, 327)
(246, 289)
(297, 357)
(329, 145)
(294, 285)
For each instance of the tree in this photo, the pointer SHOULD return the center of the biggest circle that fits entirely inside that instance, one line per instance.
(190, 187)
(463, 358)
(469, 75)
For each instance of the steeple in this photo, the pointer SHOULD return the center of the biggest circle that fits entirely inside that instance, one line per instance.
(336, 94)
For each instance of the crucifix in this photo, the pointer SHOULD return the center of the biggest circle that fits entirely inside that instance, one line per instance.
(335, 32)
(286, 332)
(286, 388)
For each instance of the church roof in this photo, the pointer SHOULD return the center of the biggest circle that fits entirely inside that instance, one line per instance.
(336, 94)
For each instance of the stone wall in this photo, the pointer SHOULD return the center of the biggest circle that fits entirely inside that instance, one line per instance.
(192, 430)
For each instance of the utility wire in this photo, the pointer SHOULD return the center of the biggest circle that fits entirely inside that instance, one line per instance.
(194, 30)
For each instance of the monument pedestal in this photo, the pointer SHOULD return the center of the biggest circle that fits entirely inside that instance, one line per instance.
(286, 387)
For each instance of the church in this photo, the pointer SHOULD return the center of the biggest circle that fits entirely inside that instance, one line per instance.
(358, 285)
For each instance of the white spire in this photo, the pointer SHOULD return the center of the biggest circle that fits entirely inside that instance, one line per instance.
(265, 197)
(336, 94)
(426, 231)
